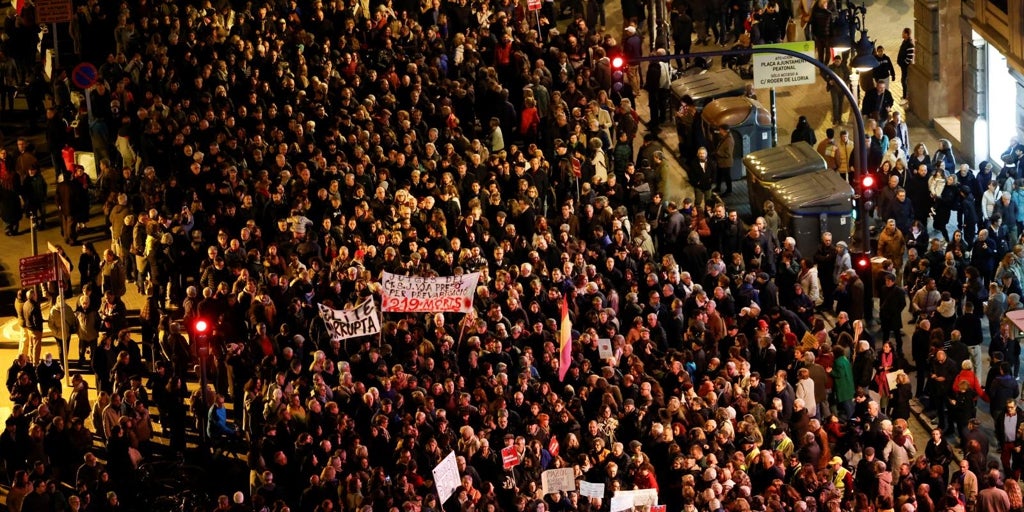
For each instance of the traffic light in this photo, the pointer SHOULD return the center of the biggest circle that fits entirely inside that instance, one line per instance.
(618, 73)
(868, 184)
(863, 262)
(201, 330)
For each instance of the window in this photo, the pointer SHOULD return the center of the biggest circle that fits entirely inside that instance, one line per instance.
(1001, 88)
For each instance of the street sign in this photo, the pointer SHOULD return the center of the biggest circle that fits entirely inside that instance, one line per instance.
(533, 5)
(773, 70)
(84, 75)
(53, 11)
(38, 269)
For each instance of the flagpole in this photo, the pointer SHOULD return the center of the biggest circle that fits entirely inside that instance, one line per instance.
(462, 331)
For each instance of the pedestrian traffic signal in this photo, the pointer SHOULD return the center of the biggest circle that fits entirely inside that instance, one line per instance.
(201, 326)
(618, 72)
(867, 187)
(863, 262)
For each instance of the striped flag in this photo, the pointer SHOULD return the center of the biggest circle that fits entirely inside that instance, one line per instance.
(565, 337)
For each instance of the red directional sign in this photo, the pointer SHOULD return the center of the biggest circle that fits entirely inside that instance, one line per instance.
(38, 269)
(533, 5)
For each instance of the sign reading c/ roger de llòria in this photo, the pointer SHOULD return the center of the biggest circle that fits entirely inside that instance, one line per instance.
(409, 294)
(775, 70)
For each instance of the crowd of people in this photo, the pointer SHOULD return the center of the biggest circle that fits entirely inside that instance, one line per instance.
(258, 160)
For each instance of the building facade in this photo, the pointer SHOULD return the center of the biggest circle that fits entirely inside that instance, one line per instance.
(968, 78)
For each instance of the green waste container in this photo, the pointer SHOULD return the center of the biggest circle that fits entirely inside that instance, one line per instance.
(768, 166)
(811, 204)
(749, 122)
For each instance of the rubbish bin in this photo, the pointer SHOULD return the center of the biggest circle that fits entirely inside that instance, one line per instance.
(708, 86)
(749, 122)
(812, 204)
(768, 166)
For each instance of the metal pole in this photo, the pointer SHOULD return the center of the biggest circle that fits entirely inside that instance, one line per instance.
(65, 335)
(88, 105)
(775, 117)
(56, 49)
(205, 410)
(539, 31)
(860, 168)
(34, 233)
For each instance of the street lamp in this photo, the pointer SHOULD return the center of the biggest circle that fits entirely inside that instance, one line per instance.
(850, 20)
(865, 59)
(841, 39)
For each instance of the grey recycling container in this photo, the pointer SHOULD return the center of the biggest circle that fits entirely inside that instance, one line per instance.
(749, 122)
(811, 204)
(708, 86)
(768, 166)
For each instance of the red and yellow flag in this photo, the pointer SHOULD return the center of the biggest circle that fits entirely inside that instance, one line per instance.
(565, 338)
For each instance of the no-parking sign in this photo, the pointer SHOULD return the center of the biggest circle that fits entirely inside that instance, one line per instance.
(84, 75)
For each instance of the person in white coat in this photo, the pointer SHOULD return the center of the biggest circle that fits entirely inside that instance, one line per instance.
(809, 281)
(989, 199)
(805, 391)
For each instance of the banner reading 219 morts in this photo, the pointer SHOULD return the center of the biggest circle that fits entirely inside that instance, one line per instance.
(409, 294)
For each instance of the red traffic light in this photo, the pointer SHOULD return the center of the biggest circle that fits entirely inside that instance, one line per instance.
(201, 326)
(867, 181)
(863, 262)
(617, 62)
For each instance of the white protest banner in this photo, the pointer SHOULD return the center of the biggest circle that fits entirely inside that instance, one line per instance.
(645, 497)
(591, 490)
(554, 480)
(361, 320)
(620, 503)
(604, 348)
(638, 498)
(446, 477)
(410, 294)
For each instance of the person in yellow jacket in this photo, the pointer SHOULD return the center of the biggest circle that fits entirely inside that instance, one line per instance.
(842, 478)
(780, 440)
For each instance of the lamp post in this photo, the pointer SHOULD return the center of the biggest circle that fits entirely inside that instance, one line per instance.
(859, 169)
(849, 22)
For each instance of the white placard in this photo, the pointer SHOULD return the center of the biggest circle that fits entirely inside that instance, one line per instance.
(638, 497)
(446, 477)
(554, 480)
(775, 70)
(410, 294)
(604, 348)
(620, 503)
(362, 320)
(591, 490)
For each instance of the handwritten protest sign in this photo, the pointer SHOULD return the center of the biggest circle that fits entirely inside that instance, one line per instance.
(591, 490)
(604, 348)
(620, 503)
(644, 498)
(446, 477)
(362, 320)
(509, 457)
(554, 480)
(410, 294)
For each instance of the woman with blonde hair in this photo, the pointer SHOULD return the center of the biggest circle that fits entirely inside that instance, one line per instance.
(1012, 488)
